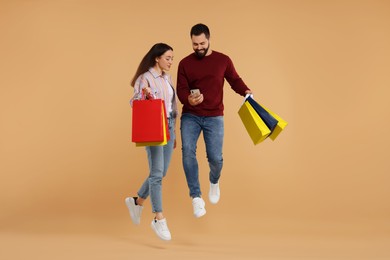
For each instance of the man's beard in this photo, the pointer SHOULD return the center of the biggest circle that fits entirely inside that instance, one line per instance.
(200, 55)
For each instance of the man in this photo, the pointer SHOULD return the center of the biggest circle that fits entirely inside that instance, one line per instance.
(200, 83)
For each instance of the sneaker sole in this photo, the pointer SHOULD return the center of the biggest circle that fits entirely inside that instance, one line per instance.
(213, 200)
(201, 214)
(160, 237)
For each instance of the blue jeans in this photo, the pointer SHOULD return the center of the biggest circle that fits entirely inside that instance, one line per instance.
(213, 131)
(159, 158)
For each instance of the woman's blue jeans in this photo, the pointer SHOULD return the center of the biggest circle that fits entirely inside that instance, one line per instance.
(159, 158)
(213, 131)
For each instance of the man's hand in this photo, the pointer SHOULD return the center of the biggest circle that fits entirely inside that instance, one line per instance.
(247, 94)
(195, 100)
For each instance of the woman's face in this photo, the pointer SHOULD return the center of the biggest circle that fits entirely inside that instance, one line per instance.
(165, 61)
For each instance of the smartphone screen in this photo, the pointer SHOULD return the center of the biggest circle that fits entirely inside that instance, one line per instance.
(195, 91)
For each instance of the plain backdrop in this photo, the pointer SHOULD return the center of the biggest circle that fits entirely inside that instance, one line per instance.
(67, 161)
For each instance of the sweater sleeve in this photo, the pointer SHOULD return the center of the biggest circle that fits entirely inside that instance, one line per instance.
(235, 81)
(182, 87)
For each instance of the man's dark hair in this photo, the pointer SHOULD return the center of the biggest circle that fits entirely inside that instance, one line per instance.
(200, 28)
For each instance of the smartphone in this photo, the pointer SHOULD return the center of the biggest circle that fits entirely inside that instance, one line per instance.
(195, 92)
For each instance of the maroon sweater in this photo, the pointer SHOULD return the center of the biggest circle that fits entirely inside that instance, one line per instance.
(208, 75)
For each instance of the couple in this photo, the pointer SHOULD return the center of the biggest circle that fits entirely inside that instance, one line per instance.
(200, 83)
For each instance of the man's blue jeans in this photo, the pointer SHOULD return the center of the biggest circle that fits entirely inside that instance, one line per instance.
(159, 158)
(213, 131)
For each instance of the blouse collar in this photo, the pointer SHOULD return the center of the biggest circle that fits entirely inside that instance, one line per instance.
(155, 73)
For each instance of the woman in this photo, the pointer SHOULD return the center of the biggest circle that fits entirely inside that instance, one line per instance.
(152, 81)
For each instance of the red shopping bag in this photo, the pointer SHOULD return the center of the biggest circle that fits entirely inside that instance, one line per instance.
(149, 123)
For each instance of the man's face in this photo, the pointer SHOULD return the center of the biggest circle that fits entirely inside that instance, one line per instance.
(201, 45)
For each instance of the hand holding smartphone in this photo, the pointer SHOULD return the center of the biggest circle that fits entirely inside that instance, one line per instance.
(195, 98)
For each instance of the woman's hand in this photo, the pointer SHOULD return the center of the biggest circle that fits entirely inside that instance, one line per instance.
(147, 92)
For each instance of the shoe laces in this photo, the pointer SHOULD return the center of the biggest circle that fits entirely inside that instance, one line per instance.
(198, 203)
(214, 189)
(163, 225)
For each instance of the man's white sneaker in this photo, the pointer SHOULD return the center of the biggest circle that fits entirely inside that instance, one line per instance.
(198, 205)
(214, 193)
(135, 210)
(161, 229)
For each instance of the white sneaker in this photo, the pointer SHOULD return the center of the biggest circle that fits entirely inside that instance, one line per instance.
(214, 193)
(198, 205)
(161, 228)
(135, 210)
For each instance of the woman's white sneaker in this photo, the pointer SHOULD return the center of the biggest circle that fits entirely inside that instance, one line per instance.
(135, 210)
(198, 205)
(160, 227)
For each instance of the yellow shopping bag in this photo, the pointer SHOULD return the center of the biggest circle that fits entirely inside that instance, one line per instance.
(279, 127)
(254, 125)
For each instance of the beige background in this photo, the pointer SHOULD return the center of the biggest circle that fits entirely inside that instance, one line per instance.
(320, 191)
